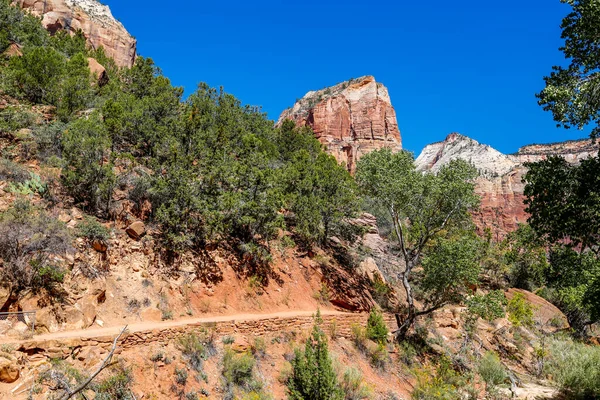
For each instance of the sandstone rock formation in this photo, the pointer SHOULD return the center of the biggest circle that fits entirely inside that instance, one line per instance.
(93, 18)
(500, 182)
(350, 119)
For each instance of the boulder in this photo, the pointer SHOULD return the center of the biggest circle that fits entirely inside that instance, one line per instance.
(98, 72)
(136, 230)
(369, 268)
(9, 371)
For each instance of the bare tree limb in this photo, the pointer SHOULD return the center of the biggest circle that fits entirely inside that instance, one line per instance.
(70, 393)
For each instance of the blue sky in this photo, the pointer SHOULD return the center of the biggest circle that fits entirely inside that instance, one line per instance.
(467, 66)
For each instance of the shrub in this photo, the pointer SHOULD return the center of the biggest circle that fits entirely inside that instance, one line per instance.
(489, 306)
(520, 311)
(443, 383)
(576, 368)
(92, 230)
(377, 330)
(313, 376)
(48, 140)
(353, 386)
(30, 240)
(11, 171)
(228, 339)
(181, 376)
(258, 347)
(491, 370)
(193, 350)
(238, 368)
(117, 386)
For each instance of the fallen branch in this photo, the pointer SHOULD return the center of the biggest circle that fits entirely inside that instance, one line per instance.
(72, 392)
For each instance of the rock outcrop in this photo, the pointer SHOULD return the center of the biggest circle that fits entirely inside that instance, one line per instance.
(350, 119)
(500, 182)
(91, 17)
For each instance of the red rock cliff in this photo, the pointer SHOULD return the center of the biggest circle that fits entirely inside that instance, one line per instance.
(94, 19)
(350, 119)
(499, 183)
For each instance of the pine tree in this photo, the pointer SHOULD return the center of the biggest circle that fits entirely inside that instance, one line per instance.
(313, 376)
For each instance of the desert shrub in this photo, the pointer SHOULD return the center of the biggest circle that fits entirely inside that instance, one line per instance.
(313, 376)
(377, 329)
(238, 368)
(520, 311)
(92, 230)
(30, 239)
(353, 386)
(181, 376)
(117, 386)
(13, 172)
(258, 347)
(48, 140)
(575, 367)
(488, 306)
(13, 118)
(491, 370)
(441, 383)
(379, 357)
(228, 339)
(359, 336)
(193, 349)
(322, 295)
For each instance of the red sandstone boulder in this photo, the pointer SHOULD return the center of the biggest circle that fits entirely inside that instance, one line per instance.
(136, 230)
(98, 71)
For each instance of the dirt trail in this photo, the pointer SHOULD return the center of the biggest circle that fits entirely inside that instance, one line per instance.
(151, 325)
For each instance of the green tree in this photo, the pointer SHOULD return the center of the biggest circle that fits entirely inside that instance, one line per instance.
(377, 329)
(313, 376)
(526, 255)
(572, 93)
(88, 171)
(17, 26)
(422, 207)
(37, 74)
(74, 90)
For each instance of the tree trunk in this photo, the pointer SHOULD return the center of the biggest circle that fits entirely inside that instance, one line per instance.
(405, 325)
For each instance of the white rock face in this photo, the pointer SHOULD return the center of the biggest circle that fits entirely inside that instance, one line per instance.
(489, 161)
(500, 184)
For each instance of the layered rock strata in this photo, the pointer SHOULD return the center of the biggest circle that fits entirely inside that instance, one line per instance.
(94, 19)
(500, 182)
(350, 119)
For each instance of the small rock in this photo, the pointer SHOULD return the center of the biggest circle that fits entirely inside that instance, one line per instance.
(9, 372)
(100, 246)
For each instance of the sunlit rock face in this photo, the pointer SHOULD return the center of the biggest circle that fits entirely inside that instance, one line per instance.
(93, 18)
(350, 119)
(500, 183)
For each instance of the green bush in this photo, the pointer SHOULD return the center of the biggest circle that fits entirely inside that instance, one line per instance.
(15, 118)
(313, 376)
(92, 230)
(193, 350)
(238, 368)
(520, 311)
(575, 367)
(115, 387)
(353, 386)
(441, 383)
(491, 370)
(32, 186)
(377, 329)
(489, 306)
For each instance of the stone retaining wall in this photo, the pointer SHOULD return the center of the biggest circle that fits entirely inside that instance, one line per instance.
(63, 348)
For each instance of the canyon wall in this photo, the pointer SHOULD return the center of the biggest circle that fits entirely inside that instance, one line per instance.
(94, 19)
(350, 119)
(500, 182)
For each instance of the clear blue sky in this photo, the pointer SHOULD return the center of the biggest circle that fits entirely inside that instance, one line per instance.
(467, 66)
